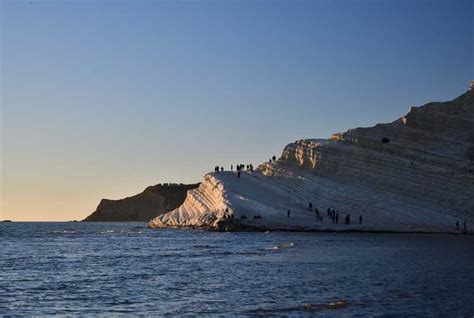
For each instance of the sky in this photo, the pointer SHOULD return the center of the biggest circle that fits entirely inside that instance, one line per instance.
(100, 99)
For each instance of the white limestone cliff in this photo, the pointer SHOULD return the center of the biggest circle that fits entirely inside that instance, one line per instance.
(414, 174)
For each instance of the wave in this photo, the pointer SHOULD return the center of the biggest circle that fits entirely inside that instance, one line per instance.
(311, 308)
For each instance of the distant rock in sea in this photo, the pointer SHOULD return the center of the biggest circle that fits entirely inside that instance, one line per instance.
(415, 174)
(155, 200)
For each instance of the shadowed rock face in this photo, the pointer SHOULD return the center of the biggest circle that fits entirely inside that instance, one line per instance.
(414, 174)
(155, 200)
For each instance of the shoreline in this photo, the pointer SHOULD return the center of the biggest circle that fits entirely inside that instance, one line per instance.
(242, 227)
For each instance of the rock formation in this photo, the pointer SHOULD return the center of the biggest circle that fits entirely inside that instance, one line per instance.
(414, 174)
(155, 200)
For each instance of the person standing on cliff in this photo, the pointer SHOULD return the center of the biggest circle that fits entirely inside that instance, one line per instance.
(310, 206)
(288, 214)
(360, 219)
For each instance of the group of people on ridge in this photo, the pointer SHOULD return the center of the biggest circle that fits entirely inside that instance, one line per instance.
(239, 168)
(217, 169)
(272, 159)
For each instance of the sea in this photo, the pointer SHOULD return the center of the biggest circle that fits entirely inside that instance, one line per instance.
(125, 269)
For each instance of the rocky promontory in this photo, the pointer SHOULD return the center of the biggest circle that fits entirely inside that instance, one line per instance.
(415, 174)
(155, 200)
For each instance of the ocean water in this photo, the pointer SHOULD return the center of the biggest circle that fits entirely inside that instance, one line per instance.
(125, 269)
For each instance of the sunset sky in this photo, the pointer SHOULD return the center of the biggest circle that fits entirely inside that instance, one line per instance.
(100, 99)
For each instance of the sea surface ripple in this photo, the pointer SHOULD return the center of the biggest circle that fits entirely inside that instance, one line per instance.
(74, 269)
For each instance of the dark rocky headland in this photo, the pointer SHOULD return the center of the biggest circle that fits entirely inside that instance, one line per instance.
(154, 200)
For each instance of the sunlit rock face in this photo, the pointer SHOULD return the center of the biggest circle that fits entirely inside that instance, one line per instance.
(414, 174)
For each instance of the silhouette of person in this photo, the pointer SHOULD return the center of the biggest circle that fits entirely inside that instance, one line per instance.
(288, 214)
(457, 225)
(464, 225)
(360, 219)
(310, 206)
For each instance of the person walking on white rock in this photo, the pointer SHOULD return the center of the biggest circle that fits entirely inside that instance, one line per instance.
(348, 219)
(231, 168)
